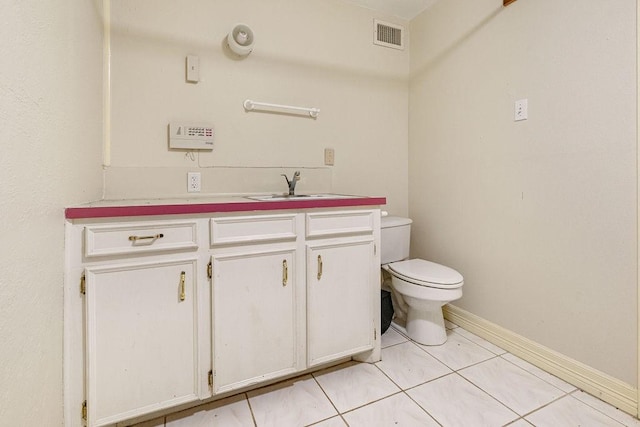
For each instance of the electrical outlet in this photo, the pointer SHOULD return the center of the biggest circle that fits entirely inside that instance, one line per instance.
(193, 182)
(329, 156)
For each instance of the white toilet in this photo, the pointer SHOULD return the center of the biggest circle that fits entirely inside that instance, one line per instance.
(420, 288)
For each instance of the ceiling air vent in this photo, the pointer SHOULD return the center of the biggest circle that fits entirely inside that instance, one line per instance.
(388, 35)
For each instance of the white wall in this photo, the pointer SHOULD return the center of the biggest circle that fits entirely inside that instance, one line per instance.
(316, 53)
(51, 136)
(539, 216)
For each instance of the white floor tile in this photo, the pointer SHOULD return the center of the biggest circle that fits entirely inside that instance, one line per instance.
(331, 422)
(480, 341)
(408, 365)
(569, 412)
(233, 412)
(607, 409)
(392, 337)
(458, 352)
(292, 403)
(516, 388)
(551, 379)
(354, 384)
(453, 402)
(520, 423)
(487, 390)
(396, 410)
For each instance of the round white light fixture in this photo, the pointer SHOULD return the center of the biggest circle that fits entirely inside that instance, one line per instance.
(241, 39)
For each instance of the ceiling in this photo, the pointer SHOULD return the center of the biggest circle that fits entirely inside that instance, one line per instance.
(405, 9)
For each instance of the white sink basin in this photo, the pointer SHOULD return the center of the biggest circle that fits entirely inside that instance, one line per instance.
(281, 197)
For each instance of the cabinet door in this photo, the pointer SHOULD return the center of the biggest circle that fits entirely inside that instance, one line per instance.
(141, 339)
(340, 318)
(254, 317)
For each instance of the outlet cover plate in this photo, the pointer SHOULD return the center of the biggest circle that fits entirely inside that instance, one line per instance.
(329, 156)
(193, 182)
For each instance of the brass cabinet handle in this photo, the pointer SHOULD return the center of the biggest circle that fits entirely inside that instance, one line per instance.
(319, 267)
(182, 291)
(285, 272)
(154, 237)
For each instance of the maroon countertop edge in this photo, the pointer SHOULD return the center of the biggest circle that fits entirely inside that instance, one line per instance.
(199, 208)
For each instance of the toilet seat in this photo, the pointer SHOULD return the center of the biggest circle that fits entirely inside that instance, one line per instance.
(426, 273)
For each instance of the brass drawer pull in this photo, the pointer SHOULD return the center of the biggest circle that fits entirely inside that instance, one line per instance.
(319, 267)
(182, 291)
(154, 237)
(285, 273)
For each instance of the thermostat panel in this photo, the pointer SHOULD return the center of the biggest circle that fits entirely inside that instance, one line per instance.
(191, 136)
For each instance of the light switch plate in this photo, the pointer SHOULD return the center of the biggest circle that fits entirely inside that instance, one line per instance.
(521, 110)
(193, 69)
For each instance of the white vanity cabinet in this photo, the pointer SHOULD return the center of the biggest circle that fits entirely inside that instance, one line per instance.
(137, 296)
(342, 265)
(169, 310)
(142, 346)
(255, 268)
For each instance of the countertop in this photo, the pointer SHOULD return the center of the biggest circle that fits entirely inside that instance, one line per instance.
(211, 204)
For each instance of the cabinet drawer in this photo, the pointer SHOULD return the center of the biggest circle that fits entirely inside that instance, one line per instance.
(338, 223)
(116, 239)
(239, 229)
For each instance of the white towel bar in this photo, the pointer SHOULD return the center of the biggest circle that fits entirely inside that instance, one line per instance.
(250, 105)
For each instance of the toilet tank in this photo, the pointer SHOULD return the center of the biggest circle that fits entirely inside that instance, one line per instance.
(395, 235)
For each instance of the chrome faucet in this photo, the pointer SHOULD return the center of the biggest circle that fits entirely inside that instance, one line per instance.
(292, 183)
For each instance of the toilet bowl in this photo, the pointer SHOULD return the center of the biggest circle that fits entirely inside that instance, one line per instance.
(425, 287)
(420, 287)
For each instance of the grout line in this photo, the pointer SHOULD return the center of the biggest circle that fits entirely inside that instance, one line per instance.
(394, 345)
(372, 402)
(253, 417)
(417, 385)
(427, 382)
(423, 383)
(491, 396)
(569, 395)
(516, 420)
(531, 373)
(327, 419)
(325, 393)
(390, 379)
(419, 406)
(481, 341)
(425, 349)
(594, 408)
(400, 390)
(404, 390)
(545, 405)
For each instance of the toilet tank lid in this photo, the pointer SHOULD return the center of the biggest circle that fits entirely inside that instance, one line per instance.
(394, 221)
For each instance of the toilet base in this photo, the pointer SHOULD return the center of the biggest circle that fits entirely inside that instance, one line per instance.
(423, 316)
(426, 327)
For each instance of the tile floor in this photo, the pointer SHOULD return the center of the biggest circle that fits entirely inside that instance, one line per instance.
(466, 382)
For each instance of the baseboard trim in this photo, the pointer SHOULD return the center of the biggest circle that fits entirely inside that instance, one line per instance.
(599, 384)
